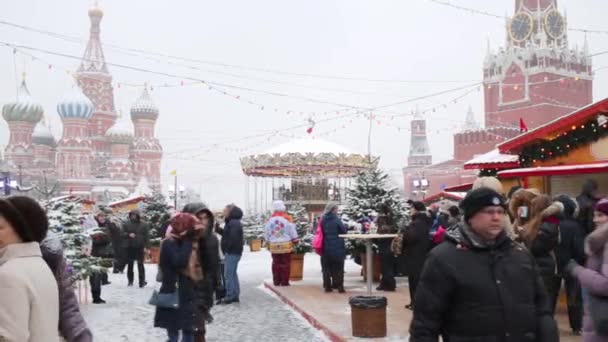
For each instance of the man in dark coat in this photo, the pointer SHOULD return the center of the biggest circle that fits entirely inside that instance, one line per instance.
(208, 255)
(135, 237)
(101, 248)
(334, 249)
(120, 253)
(386, 225)
(570, 247)
(586, 204)
(232, 247)
(481, 286)
(416, 245)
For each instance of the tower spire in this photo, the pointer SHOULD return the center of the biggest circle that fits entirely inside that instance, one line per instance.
(470, 123)
(93, 59)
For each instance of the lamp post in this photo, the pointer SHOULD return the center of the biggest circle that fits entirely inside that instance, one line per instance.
(420, 185)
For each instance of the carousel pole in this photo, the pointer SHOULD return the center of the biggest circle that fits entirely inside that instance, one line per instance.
(255, 195)
(246, 193)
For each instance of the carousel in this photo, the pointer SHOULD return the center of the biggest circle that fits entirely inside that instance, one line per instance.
(310, 171)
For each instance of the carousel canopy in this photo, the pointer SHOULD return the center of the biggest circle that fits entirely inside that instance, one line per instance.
(310, 157)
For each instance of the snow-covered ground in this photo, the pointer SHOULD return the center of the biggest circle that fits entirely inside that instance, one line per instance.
(259, 317)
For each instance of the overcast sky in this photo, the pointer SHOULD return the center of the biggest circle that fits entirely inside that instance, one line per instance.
(410, 48)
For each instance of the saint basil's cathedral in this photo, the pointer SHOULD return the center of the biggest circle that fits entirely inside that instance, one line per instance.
(98, 156)
(536, 78)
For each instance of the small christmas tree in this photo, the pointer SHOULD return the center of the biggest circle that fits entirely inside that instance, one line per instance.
(370, 191)
(303, 227)
(253, 227)
(65, 216)
(155, 213)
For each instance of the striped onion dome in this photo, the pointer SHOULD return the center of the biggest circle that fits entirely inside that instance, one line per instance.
(24, 109)
(75, 105)
(120, 132)
(42, 135)
(144, 107)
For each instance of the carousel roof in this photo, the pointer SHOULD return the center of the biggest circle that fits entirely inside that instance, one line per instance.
(309, 157)
(308, 145)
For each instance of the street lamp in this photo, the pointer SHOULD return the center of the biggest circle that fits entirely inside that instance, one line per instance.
(420, 186)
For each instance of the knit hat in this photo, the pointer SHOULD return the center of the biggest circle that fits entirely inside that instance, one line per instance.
(602, 206)
(26, 216)
(278, 206)
(419, 206)
(330, 207)
(478, 199)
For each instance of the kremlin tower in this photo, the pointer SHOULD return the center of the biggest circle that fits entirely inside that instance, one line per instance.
(537, 77)
(99, 156)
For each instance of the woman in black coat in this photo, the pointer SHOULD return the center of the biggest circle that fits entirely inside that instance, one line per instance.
(178, 275)
(416, 245)
(334, 249)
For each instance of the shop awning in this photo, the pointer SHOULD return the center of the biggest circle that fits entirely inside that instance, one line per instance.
(454, 196)
(459, 188)
(560, 170)
(493, 160)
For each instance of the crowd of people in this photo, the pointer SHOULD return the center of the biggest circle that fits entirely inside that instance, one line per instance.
(489, 269)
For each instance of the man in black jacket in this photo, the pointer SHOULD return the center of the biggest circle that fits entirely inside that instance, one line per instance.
(480, 285)
(101, 248)
(416, 245)
(571, 247)
(232, 247)
(586, 204)
(136, 240)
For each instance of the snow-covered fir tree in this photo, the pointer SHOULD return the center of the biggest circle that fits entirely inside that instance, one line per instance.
(253, 226)
(65, 215)
(303, 226)
(155, 212)
(370, 191)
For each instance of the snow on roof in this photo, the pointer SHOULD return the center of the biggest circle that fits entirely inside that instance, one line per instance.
(126, 200)
(114, 189)
(493, 157)
(308, 145)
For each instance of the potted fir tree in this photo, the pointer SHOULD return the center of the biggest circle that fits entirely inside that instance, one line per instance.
(156, 214)
(300, 219)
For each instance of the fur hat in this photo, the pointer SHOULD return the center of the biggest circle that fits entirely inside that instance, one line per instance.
(488, 182)
(183, 222)
(278, 206)
(480, 198)
(602, 206)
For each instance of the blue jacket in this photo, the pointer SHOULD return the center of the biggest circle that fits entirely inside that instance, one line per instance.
(333, 245)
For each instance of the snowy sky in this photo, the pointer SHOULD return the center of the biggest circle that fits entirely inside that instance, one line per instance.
(432, 47)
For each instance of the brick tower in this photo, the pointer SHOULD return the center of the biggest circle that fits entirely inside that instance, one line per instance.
(537, 76)
(418, 158)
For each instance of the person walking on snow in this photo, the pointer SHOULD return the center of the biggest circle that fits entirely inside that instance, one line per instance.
(280, 235)
(334, 249)
(232, 247)
(101, 248)
(586, 204)
(135, 240)
(479, 285)
(416, 245)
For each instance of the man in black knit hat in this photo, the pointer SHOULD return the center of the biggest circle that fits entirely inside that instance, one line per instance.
(481, 285)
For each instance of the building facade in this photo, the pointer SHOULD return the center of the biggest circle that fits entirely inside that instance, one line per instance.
(536, 77)
(99, 155)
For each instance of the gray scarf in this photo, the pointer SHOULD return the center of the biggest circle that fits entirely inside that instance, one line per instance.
(476, 240)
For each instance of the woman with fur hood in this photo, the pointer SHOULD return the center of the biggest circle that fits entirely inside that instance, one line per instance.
(594, 275)
(537, 226)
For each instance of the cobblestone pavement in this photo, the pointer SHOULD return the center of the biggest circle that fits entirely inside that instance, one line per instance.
(258, 317)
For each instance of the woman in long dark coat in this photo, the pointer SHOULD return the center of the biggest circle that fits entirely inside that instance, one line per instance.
(181, 273)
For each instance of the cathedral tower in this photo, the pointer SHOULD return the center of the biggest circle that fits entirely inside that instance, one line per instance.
(420, 153)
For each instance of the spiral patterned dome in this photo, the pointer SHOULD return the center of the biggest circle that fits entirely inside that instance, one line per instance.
(24, 109)
(144, 107)
(42, 135)
(75, 105)
(120, 132)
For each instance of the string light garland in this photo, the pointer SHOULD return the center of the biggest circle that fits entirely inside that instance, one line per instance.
(579, 135)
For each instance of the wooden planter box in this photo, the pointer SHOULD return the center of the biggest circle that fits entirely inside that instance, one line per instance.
(255, 245)
(296, 271)
(154, 256)
(377, 267)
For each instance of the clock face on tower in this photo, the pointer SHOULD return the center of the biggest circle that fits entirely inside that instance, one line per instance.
(521, 26)
(554, 24)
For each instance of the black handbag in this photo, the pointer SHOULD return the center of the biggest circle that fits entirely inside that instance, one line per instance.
(165, 300)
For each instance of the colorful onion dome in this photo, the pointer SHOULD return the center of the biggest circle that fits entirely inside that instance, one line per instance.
(144, 107)
(75, 105)
(120, 132)
(24, 109)
(42, 135)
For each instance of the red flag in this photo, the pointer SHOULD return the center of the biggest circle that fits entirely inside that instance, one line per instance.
(309, 130)
(522, 126)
